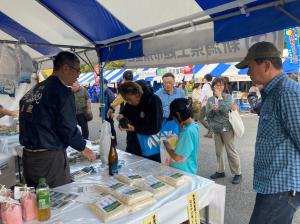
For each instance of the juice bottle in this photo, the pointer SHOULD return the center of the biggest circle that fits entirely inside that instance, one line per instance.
(43, 200)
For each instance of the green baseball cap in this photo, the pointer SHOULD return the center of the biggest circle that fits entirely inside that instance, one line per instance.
(260, 50)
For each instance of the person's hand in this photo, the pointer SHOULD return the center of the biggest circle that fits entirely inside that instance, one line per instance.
(14, 113)
(120, 116)
(235, 107)
(214, 107)
(167, 144)
(89, 154)
(110, 113)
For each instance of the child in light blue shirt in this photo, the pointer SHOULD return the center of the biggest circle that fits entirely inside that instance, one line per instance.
(186, 152)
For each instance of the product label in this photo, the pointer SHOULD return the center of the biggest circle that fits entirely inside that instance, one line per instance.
(108, 204)
(154, 183)
(43, 198)
(193, 208)
(134, 176)
(116, 186)
(176, 175)
(128, 190)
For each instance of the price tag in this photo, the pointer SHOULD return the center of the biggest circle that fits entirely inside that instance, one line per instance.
(151, 219)
(193, 208)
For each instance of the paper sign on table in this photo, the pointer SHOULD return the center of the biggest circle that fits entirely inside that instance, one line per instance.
(151, 219)
(193, 208)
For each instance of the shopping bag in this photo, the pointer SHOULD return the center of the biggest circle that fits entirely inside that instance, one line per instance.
(105, 141)
(150, 144)
(236, 123)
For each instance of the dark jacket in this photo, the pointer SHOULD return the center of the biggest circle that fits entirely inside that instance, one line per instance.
(146, 117)
(48, 117)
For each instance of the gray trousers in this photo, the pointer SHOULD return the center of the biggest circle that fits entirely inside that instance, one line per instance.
(226, 139)
(53, 165)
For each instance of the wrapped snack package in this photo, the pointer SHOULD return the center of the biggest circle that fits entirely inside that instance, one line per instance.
(11, 212)
(125, 193)
(155, 186)
(142, 204)
(29, 207)
(128, 177)
(108, 208)
(174, 178)
(5, 193)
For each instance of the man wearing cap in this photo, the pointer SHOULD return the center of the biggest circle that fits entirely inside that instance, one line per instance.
(277, 150)
(168, 93)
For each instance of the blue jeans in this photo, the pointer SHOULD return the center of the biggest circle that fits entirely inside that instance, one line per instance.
(276, 208)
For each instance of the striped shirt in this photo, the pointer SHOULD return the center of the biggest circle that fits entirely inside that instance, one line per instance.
(277, 149)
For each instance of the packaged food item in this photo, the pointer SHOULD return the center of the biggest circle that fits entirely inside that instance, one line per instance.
(155, 186)
(109, 208)
(128, 177)
(174, 178)
(6, 193)
(125, 193)
(11, 212)
(142, 204)
(29, 206)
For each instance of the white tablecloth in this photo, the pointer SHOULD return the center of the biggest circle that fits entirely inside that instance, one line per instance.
(170, 209)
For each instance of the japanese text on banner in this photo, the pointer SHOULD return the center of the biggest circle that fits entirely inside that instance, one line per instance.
(193, 208)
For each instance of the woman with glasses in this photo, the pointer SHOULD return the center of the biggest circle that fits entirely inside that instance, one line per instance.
(217, 110)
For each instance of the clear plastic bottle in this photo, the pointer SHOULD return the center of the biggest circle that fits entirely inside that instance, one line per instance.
(43, 200)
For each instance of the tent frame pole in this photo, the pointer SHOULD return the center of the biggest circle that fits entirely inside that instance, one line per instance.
(102, 99)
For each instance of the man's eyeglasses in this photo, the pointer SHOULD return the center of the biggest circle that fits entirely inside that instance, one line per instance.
(76, 69)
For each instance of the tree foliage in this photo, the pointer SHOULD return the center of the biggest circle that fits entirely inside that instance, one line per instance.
(108, 66)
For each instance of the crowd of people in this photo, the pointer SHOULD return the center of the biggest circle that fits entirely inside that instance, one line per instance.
(49, 115)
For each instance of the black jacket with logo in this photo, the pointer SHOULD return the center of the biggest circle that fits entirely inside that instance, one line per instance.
(48, 117)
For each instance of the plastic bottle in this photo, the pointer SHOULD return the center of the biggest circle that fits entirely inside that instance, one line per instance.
(43, 200)
(113, 158)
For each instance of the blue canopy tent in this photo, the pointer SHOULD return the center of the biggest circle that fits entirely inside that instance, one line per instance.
(111, 30)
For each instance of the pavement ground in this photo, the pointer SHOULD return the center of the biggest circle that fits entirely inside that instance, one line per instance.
(239, 198)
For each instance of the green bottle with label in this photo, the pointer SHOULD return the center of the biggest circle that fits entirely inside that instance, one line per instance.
(43, 200)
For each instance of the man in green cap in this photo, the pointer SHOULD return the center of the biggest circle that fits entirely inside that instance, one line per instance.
(277, 150)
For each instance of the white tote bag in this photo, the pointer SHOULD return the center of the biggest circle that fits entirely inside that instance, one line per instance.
(236, 123)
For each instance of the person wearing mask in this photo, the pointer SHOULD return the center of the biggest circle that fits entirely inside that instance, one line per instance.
(83, 108)
(205, 94)
(277, 149)
(217, 109)
(119, 101)
(48, 125)
(168, 93)
(143, 109)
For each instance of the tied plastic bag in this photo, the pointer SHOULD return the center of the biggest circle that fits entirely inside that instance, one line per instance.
(11, 212)
(236, 123)
(164, 155)
(5, 193)
(29, 207)
(26, 66)
(105, 141)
